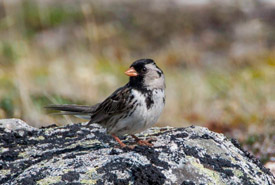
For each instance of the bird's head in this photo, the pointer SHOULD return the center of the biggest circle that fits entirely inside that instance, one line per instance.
(144, 73)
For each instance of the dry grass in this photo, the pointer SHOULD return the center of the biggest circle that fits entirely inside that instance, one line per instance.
(219, 60)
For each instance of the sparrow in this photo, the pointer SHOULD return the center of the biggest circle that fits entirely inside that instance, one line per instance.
(132, 108)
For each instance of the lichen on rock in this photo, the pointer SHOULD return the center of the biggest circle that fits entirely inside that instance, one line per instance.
(85, 154)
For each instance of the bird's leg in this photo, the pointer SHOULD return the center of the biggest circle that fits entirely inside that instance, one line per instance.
(119, 141)
(141, 142)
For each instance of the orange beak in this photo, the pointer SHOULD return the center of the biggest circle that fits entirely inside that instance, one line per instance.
(131, 72)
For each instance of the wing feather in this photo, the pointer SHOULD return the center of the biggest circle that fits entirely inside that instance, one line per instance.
(119, 102)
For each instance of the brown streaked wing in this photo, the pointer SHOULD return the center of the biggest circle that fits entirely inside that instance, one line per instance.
(115, 104)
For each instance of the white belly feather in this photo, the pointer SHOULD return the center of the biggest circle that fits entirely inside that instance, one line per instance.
(142, 118)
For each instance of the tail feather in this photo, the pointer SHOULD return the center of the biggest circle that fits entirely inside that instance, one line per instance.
(70, 108)
(76, 114)
(81, 111)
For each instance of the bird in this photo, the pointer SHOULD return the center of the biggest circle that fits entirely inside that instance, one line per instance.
(131, 108)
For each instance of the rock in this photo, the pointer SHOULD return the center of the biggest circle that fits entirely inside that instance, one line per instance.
(85, 154)
(15, 124)
(271, 166)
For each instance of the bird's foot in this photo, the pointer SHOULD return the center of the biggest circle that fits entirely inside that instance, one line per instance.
(143, 142)
(139, 142)
(131, 146)
(119, 141)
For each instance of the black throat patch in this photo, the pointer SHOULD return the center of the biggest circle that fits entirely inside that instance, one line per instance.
(149, 101)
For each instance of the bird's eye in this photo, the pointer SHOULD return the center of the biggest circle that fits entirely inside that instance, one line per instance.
(144, 69)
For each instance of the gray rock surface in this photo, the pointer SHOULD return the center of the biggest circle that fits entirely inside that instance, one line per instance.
(84, 154)
(15, 124)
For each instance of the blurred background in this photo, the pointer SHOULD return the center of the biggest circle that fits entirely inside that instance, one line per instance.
(218, 57)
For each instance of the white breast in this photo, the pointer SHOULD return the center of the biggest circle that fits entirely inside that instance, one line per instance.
(142, 118)
(155, 111)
